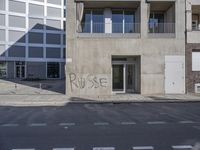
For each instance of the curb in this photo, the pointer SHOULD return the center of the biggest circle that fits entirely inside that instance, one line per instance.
(64, 103)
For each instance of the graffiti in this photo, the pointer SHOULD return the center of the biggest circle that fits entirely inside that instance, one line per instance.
(89, 82)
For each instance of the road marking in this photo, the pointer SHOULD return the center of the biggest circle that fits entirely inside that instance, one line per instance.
(10, 125)
(182, 147)
(63, 148)
(186, 121)
(101, 123)
(156, 122)
(38, 124)
(103, 148)
(143, 147)
(128, 123)
(196, 127)
(67, 124)
(24, 149)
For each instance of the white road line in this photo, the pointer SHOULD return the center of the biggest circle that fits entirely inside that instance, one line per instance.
(103, 148)
(63, 148)
(186, 121)
(182, 147)
(24, 149)
(196, 127)
(67, 124)
(128, 123)
(156, 122)
(143, 147)
(10, 125)
(101, 123)
(38, 124)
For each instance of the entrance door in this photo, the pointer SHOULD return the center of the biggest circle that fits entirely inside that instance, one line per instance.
(130, 78)
(118, 77)
(20, 70)
(174, 75)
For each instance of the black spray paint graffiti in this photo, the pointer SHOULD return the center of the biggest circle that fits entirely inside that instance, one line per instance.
(90, 82)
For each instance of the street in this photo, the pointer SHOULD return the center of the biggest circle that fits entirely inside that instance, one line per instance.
(107, 126)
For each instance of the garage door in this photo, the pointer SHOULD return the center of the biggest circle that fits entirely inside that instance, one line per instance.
(174, 74)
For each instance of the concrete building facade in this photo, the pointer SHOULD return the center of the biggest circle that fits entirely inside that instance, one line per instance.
(193, 46)
(32, 39)
(133, 46)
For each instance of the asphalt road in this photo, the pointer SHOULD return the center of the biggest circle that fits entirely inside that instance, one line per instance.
(127, 126)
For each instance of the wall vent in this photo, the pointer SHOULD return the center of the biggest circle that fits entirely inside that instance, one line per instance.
(197, 88)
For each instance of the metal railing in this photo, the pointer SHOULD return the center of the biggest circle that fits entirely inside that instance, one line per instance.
(196, 28)
(161, 27)
(110, 28)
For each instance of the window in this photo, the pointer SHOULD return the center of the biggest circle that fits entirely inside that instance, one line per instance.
(117, 21)
(194, 24)
(156, 23)
(196, 60)
(93, 21)
(3, 69)
(123, 21)
(53, 70)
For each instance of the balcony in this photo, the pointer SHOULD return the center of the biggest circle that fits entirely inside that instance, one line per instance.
(109, 19)
(193, 25)
(111, 28)
(161, 27)
(162, 20)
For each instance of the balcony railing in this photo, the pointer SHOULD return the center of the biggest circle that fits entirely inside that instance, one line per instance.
(161, 27)
(111, 28)
(196, 28)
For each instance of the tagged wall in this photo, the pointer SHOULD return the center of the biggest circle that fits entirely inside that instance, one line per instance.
(87, 83)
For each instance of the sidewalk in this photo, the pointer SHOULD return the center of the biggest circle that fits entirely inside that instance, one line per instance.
(62, 100)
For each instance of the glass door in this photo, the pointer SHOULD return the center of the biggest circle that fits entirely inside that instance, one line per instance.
(130, 78)
(118, 77)
(20, 70)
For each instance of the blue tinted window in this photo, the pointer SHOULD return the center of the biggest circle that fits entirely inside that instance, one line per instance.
(98, 21)
(117, 21)
(129, 19)
(86, 25)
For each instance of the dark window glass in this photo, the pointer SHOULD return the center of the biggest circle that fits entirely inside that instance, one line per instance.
(53, 70)
(117, 21)
(156, 23)
(129, 19)
(86, 22)
(98, 21)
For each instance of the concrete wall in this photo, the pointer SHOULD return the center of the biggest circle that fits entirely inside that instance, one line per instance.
(91, 57)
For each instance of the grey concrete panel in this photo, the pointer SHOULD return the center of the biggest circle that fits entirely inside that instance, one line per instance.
(16, 51)
(15, 6)
(53, 25)
(2, 35)
(35, 52)
(2, 4)
(53, 12)
(36, 10)
(16, 21)
(36, 70)
(35, 37)
(2, 18)
(57, 2)
(39, 0)
(53, 39)
(53, 52)
(2, 50)
(36, 23)
(16, 36)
